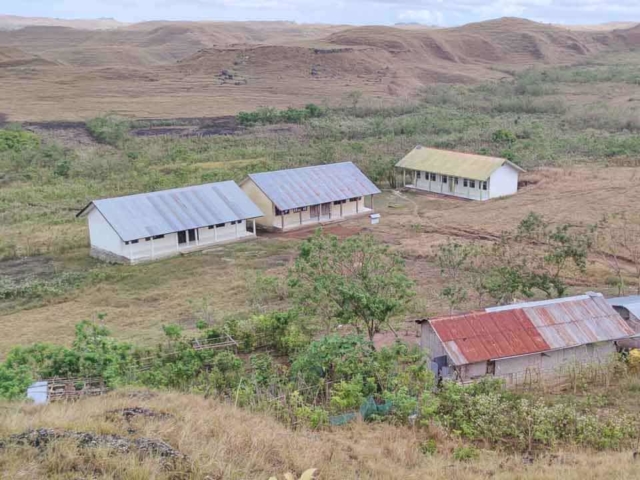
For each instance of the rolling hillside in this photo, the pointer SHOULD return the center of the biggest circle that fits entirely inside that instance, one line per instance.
(174, 69)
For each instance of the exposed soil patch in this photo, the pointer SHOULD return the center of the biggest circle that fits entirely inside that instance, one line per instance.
(21, 269)
(70, 134)
(190, 127)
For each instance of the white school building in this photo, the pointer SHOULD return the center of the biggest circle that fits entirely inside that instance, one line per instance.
(149, 226)
(465, 175)
(304, 196)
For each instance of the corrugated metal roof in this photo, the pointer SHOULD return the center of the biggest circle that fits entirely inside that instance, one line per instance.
(455, 164)
(631, 303)
(539, 327)
(300, 187)
(167, 211)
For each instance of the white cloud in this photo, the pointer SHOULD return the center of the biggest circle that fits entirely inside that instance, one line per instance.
(428, 17)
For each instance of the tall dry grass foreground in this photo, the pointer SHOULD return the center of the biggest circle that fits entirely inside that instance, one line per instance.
(222, 442)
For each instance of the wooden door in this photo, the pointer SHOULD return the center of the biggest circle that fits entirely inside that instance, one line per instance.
(326, 209)
(314, 212)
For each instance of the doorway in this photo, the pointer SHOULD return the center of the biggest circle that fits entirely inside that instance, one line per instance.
(314, 212)
(326, 209)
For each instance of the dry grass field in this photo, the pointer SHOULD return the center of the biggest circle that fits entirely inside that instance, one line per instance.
(224, 442)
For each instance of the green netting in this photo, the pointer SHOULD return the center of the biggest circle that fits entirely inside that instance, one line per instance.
(342, 419)
(370, 407)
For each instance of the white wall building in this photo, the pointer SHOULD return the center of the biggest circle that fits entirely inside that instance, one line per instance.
(304, 196)
(458, 174)
(149, 226)
(527, 342)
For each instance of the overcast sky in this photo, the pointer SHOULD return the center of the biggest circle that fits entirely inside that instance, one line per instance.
(358, 12)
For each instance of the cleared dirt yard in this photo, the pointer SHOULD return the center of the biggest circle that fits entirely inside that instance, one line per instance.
(138, 300)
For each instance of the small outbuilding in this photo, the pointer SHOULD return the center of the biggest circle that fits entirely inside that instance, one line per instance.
(629, 310)
(149, 226)
(300, 197)
(465, 175)
(525, 342)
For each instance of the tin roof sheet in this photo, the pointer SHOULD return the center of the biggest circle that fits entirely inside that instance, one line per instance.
(631, 303)
(301, 187)
(499, 333)
(455, 164)
(167, 211)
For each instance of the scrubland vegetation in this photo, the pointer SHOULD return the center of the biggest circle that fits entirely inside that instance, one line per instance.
(304, 319)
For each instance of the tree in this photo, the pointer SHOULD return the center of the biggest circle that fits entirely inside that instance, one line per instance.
(357, 281)
(619, 242)
(452, 258)
(563, 247)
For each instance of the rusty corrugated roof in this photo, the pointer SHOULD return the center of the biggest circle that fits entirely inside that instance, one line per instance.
(455, 164)
(521, 330)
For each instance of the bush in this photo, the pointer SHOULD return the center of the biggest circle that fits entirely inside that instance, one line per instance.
(465, 453)
(17, 140)
(504, 136)
(110, 129)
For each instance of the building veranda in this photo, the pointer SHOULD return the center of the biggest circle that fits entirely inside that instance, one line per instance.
(464, 175)
(150, 226)
(304, 196)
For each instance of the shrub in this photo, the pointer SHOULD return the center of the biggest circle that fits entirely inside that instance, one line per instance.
(14, 382)
(465, 453)
(430, 447)
(110, 129)
(503, 136)
(17, 141)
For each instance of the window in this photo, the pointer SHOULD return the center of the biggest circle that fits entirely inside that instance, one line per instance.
(338, 202)
(418, 174)
(210, 227)
(472, 183)
(220, 225)
(158, 237)
(491, 367)
(433, 177)
(444, 179)
(299, 209)
(182, 237)
(281, 212)
(455, 180)
(354, 199)
(147, 239)
(134, 241)
(484, 185)
(465, 182)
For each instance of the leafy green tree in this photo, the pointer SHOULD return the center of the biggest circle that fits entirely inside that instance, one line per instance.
(14, 382)
(563, 247)
(357, 281)
(334, 358)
